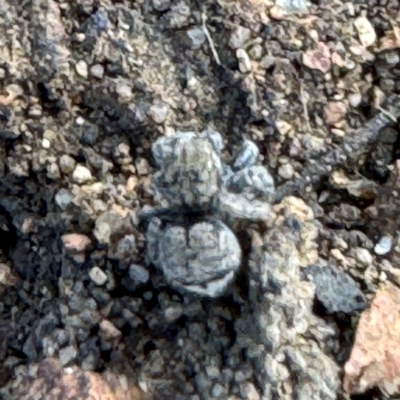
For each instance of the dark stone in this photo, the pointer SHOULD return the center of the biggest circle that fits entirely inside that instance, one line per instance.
(336, 290)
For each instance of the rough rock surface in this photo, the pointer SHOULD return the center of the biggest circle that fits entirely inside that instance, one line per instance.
(289, 365)
(374, 359)
(335, 289)
(50, 381)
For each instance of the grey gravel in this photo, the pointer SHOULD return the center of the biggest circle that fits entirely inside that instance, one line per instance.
(282, 317)
(239, 37)
(67, 355)
(67, 164)
(336, 290)
(139, 273)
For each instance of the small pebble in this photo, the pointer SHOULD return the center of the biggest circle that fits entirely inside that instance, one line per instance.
(67, 354)
(82, 68)
(139, 273)
(158, 112)
(97, 71)
(75, 242)
(148, 296)
(363, 256)
(384, 245)
(63, 198)
(161, 5)
(53, 172)
(81, 174)
(355, 99)
(35, 111)
(67, 164)
(124, 91)
(197, 37)
(98, 276)
(286, 171)
(142, 166)
(256, 52)
(239, 37)
(244, 61)
(46, 143)
(173, 313)
(218, 390)
(108, 329)
(80, 121)
(366, 31)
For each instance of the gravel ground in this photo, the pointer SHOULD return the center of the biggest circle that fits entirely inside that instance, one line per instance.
(86, 89)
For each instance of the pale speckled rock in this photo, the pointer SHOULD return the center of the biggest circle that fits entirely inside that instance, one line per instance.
(239, 37)
(81, 174)
(374, 358)
(75, 242)
(283, 316)
(239, 207)
(98, 276)
(107, 224)
(159, 112)
(50, 381)
(254, 182)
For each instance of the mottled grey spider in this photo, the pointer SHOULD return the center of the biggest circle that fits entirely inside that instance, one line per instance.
(186, 237)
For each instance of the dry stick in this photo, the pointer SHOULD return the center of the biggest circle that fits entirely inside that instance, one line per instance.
(209, 38)
(305, 108)
(387, 113)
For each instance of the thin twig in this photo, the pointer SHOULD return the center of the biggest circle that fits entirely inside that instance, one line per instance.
(387, 113)
(209, 38)
(305, 108)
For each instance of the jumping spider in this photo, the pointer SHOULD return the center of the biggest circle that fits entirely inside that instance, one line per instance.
(186, 237)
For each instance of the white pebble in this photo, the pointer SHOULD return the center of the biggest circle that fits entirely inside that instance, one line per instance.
(81, 174)
(244, 60)
(97, 71)
(63, 198)
(366, 31)
(142, 166)
(98, 276)
(239, 37)
(363, 256)
(384, 245)
(82, 69)
(355, 99)
(80, 121)
(46, 143)
(286, 171)
(159, 112)
(124, 91)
